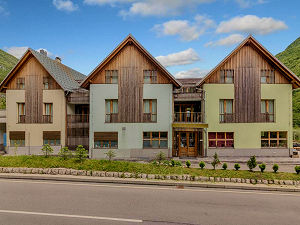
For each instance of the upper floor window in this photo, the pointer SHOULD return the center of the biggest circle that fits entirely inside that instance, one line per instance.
(226, 76)
(226, 110)
(111, 110)
(150, 110)
(267, 76)
(267, 110)
(21, 112)
(150, 76)
(111, 76)
(48, 112)
(46, 83)
(21, 83)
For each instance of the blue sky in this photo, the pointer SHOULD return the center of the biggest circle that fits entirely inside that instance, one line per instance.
(189, 36)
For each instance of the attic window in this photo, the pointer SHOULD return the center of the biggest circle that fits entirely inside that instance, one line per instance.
(47, 83)
(150, 77)
(111, 76)
(267, 76)
(21, 83)
(226, 76)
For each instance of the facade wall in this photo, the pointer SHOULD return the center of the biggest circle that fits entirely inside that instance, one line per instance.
(247, 136)
(34, 132)
(130, 135)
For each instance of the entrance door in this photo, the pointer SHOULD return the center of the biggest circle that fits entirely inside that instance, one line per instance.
(187, 144)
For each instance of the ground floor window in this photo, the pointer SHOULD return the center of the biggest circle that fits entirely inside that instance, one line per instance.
(273, 139)
(155, 140)
(106, 140)
(17, 138)
(220, 139)
(51, 138)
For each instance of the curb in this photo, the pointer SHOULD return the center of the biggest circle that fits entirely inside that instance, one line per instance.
(178, 184)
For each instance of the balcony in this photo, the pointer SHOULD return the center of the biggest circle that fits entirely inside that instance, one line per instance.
(45, 119)
(188, 94)
(78, 121)
(188, 117)
(80, 97)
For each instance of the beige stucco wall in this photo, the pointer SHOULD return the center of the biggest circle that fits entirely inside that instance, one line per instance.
(34, 132)
(247, 136)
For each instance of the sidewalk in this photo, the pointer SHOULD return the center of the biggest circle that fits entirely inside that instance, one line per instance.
(140, 181)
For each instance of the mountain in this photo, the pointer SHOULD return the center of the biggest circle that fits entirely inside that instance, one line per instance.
(291, 58)
(7, 62)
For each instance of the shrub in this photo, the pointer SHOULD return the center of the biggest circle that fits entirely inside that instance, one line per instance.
(65, 153)
(297, 169)
(252, 163)
(178, 163)
(173, 162)
(160, 157)
(215, 161)
(167, 163)
(81, 153)
(202, 164)
(188, 163)
(262, 167)
(237, 166)
(275, 168)
(110, 154)
(224, 166)
(47, 150)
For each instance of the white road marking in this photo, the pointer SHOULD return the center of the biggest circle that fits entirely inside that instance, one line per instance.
(71, 216)
(150, 188)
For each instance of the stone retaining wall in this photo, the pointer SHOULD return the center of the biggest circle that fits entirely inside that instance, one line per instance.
(63, 171)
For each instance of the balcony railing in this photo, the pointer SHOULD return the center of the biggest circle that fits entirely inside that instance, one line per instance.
(227, 118)
(78, 118)
(47, 119)
(111, 118)
(267, 117)
(188, 94)
(82, 97)
(188, 117)
(149, 118)
(21, 119)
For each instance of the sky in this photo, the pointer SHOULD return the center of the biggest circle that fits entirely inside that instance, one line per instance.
(189, 37)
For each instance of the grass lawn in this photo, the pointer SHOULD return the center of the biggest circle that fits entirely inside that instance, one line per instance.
(134, 167)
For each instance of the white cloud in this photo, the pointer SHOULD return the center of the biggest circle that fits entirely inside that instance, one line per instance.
(150, 7)
(3, 10)
(249, 3)
(192, 73)
(18, 52)
(65, 5)
(185, 57)
(251, 24)
(186, 30)
(230, 40)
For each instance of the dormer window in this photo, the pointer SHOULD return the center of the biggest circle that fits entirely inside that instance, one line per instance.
(226, 76)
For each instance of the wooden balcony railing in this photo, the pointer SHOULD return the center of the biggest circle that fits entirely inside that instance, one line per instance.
(227, 118)
(21, 119)
(111, 118)
(267, 117)
(47, 119)
(149, 118)
(78, 118)
(189, 94)
(188, 117)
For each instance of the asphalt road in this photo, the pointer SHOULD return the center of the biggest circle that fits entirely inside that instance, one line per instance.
(24, 202)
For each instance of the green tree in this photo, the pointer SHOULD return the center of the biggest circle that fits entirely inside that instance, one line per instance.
(47, 150)
(110, 154)
(65, 153)
(215, 161)
(81, 153)
(252, 163)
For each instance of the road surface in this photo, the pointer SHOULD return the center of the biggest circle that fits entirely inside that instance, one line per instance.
(25, 202)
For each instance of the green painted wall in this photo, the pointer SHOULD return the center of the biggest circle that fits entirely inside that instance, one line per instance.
(247, 135)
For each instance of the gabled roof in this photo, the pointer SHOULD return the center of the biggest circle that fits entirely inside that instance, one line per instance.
(128, 39)
(251, 40)
(66, 77)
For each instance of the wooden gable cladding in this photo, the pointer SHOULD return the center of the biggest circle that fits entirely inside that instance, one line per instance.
(247, 57)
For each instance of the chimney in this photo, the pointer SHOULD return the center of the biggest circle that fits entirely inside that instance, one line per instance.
(58, 59)
(43, 52)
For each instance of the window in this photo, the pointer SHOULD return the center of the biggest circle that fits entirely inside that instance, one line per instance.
(150, 76)
(48, 113)
(21, 83)
(106, 140)
(17, 138)
(111, 76)
(51, 138)
(21, 112)
(220, 139)
(46, 83)
(150, 110)
(155, 140)
(226, 110)
(267, 110)
(274, 139)
(267, 76)
(226, 76)
(111, 110)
